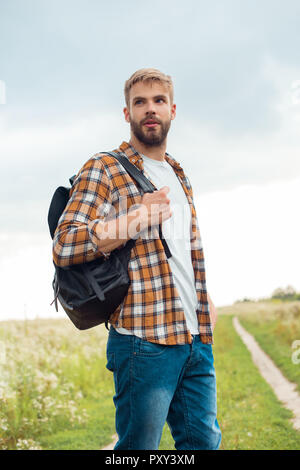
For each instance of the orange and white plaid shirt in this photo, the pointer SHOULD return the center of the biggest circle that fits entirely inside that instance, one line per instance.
(152, 308)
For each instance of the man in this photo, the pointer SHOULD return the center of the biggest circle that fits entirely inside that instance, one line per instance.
(160, 340)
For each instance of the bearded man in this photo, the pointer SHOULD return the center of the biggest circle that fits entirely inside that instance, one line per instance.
(160, 340)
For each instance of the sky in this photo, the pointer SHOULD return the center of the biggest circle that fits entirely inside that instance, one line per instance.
(236, 72)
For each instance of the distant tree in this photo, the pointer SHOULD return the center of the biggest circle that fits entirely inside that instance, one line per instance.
(288, 293)
(245, 299)
(278, 293)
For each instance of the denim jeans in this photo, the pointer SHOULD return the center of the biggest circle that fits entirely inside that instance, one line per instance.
(155, 384)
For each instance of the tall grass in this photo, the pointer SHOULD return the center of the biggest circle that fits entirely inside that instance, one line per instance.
(48, 369)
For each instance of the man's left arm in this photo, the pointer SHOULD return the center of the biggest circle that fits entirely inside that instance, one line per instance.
(212, 312)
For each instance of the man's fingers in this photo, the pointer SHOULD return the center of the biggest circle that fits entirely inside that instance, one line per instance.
(165, 189)
(163, 194)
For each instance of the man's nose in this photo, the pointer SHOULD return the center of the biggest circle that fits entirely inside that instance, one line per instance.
(150, 108)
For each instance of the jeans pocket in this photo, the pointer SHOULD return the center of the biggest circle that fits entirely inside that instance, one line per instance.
(151, 349)
(110, 365)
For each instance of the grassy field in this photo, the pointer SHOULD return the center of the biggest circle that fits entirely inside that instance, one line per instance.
(55, 392)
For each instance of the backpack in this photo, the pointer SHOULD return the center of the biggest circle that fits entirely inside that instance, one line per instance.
(90, 292)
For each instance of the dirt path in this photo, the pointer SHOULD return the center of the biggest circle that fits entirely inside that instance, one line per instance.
(283, 389)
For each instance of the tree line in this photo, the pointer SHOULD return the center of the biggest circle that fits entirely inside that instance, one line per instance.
(281, 293)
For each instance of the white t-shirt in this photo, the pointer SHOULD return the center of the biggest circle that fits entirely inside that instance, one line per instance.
(176, 232)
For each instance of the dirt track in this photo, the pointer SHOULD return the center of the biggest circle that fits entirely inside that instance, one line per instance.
(283, 389)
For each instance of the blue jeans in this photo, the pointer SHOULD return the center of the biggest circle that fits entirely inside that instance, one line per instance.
(155, 384)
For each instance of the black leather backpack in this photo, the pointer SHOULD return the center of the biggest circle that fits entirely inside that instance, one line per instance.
(90, 292)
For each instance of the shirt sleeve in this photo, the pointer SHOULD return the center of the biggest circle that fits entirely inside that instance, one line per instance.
(75, 240)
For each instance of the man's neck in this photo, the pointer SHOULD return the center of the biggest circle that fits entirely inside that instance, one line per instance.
(155, 152)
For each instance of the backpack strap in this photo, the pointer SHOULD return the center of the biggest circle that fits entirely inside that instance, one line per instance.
(145, 185)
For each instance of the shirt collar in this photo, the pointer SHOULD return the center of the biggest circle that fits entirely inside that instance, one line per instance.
(135, 157)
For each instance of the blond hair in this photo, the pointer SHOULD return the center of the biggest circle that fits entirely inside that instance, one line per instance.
(148, 75)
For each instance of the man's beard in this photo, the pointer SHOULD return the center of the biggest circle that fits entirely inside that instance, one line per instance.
(150, 137)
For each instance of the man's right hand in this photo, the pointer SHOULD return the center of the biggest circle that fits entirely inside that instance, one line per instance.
(155, 207)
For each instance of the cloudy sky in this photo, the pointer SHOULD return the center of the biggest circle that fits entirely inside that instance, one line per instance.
(236, 72)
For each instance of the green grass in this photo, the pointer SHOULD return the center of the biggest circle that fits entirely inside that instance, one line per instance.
(55, 392)
(95, 434)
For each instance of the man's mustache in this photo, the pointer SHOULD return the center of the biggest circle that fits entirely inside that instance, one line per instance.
(152, 119)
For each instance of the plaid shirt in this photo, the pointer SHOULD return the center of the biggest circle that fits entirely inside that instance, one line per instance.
(152, 308)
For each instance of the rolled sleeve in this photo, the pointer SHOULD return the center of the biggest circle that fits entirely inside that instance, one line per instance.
(77, 233)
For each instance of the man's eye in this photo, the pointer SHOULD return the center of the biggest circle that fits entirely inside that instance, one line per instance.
(160, 99)
(138, 102)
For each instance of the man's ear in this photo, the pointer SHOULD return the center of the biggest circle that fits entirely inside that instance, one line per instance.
(173, 111)
(126, 114)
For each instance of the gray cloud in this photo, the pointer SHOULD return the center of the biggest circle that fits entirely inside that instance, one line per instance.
(74, 56)
(65, 64)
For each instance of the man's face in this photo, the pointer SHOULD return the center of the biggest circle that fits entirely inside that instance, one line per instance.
(150, 112)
